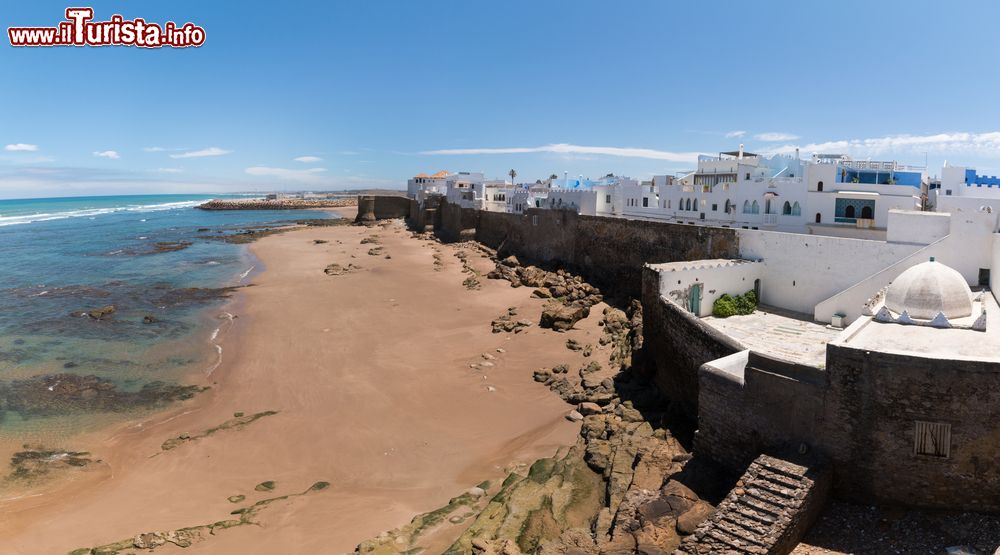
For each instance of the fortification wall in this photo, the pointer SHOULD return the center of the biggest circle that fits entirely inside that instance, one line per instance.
(676, 344)
(873, 404)
(609, 252)
(768, 406)
(387, 207)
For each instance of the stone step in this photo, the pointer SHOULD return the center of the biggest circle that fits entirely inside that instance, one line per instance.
(774, 489)
(744, 535)
(789, 470)
(747, 512)
(765, 508)
(780, 479)
(754, 530)
(761, 495)
(728, 542)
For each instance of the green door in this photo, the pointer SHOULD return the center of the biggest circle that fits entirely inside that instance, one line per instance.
(694, 300)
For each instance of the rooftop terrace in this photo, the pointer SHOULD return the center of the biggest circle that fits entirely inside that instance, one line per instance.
(779, 334)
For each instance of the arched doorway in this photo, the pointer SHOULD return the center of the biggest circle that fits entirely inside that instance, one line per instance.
(849, 211)
(819, 217)
(867, 213)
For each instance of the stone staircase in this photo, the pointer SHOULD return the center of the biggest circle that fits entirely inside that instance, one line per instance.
(767, 513)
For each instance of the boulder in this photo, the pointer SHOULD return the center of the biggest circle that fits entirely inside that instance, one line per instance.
(561, 317)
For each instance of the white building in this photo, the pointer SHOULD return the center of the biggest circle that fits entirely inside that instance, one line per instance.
(422, 185)
(827, 195)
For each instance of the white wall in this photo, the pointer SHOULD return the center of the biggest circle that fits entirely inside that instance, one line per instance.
(913, 226)
(800, 270)
(718, 277)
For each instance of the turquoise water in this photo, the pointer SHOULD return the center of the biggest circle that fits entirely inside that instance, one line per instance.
(62, 257)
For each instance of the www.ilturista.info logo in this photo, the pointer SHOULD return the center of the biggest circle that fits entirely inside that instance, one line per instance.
(79, 30)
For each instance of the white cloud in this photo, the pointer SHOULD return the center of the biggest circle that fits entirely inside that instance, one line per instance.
(310, 175)
(968, 144)
(735, 134)
(562, 148)
(210, 151)
(774, 137)
(154, 149)
(308, 159)
(21, 147)
(168, 170)
(107, 154)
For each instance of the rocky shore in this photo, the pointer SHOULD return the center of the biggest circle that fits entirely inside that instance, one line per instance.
(277, 204)
(628, 484)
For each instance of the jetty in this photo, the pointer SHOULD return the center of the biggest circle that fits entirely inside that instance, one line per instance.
(277, 204)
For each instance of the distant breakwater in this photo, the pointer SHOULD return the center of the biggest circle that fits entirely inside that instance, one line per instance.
(277, 204)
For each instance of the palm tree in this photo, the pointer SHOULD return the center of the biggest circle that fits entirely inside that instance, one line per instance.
(512, 175)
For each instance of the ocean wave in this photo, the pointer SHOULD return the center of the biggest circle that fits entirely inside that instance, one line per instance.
(93, 212)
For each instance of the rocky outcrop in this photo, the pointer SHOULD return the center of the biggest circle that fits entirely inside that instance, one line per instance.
(55, 394)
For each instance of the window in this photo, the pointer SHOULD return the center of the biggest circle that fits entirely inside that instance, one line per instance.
(748, 176)
(932, 438)
(746, 207)
(755, 208)
(607, 199)
(819, 217)
(849, 211)
(947, 192)
(534, 220)
(867, 213)
(786, 209)
(819, 186)
(645, 202)
(668, 203)
(688, 204)
(715, 207)
(796, 209)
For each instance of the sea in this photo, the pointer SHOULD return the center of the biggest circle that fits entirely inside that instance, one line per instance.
(159, 261)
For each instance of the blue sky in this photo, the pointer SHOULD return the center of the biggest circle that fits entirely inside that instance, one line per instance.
(373, 92)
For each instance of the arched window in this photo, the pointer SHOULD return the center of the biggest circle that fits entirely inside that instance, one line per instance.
(729, 205)
(867, 213)
(767, 206)
(819, 217)
(849, 211)
(786, 209)
(688, 204)
(819, 186)
(755, 208)
(746, 207)
(796, 209)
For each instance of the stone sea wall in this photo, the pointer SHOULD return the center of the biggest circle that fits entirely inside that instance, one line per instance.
(609, 252)
(873, 404)
(677, 344)
(772, 406)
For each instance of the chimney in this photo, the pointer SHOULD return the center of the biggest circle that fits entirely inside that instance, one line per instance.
(741, 151)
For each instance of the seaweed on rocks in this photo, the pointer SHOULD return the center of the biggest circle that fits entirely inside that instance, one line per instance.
(61, 394)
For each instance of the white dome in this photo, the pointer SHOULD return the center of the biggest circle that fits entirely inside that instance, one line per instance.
(927, 289)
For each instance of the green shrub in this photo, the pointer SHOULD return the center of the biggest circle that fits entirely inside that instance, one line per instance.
(726, 305)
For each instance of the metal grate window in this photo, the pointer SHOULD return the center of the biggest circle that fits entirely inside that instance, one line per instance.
(932, 438)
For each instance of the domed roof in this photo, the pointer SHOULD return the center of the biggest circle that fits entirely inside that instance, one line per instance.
(927, 289)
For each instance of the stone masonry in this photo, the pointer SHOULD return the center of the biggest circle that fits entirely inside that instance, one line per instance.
(767, 513)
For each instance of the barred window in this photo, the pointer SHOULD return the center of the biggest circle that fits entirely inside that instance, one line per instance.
(932, 438)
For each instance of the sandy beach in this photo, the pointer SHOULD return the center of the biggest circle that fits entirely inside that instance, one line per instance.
(368, 375)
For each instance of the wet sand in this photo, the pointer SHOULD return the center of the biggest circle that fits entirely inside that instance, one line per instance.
(369, 373)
